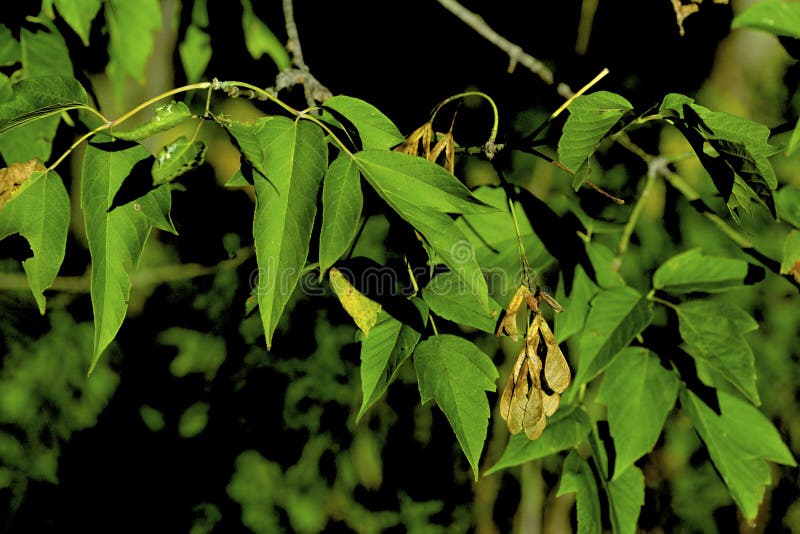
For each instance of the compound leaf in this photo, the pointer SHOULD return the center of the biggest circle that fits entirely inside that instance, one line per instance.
(176, 159)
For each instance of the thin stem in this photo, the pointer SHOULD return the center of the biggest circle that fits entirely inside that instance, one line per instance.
(296, 50)
(95, 112)
(143, 105)
(652, 298)
(416, 291)
(495, 113)
(638, 208)
(515, 52)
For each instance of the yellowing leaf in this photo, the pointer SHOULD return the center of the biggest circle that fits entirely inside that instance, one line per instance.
(363, 310)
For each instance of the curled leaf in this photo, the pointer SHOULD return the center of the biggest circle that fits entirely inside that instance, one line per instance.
(166, 116)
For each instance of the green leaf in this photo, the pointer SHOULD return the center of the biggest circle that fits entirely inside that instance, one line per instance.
(193, 420)
(166, 116)
(39, 212)
(790, 262)
(740, 150)
(177, 158)
(564, 431)
(494, 238)
(116, 237)
(794, 140)
(399, 177)
(293, 157)
(448, 296)
(44, 51)
(79, 14)
(374, 128)
(626, 497)
(260, 39)
(692, 271)
(787, 202)
(740, 441)
(571, 320)
(577, 477)
(341, 210)
(198, 352)
(455, 250)
(591, 117)
(639, 394)
(37, 98)
(454, 372)
(616, 317)
(777, 18)
(131, 28)
(195, 53)
(10, 51)
(716, 330)
(389, 343)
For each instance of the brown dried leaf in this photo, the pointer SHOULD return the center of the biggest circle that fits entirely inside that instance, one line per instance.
(682, 11)
(12, 178)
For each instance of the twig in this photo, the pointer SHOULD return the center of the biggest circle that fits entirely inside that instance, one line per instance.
(313, 89)
(515, 52)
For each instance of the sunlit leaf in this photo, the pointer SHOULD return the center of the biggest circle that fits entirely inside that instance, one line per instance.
(400, 178)
(740, 441)
(455, 373)
(790, 262)
(116, 237)
(341, 210)
(716, 330)
(571, 320)
(773, 16)
(693, 271)
(37, 98)
(79, 14)
(131, 30)
(639, 394)
(375, 130)
(195, 49)
(591, 117)
(10, 51)
(35, 204)
(44, 51)
(291, 158)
